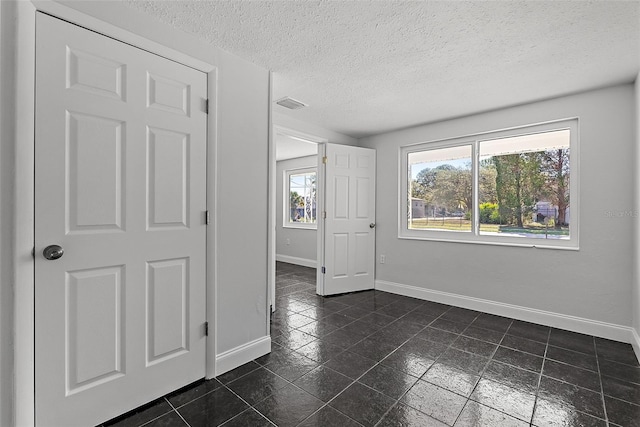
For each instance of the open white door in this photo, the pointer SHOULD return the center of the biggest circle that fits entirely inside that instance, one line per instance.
(120, 181)
(347, 233)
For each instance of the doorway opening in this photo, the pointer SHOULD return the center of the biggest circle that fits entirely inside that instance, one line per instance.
(295, 192)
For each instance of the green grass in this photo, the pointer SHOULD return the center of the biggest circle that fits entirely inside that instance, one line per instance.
(534, 230)
(455, 224)
(461, 224)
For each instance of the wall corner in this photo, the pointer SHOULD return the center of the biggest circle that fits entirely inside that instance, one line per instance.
(635, 291)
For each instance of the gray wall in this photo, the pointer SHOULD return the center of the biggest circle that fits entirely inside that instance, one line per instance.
(7, 135)
(302, 242)
(593, 283)
(243, 161)
(636, 194)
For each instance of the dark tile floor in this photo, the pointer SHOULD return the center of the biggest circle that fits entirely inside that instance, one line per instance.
(375, 358)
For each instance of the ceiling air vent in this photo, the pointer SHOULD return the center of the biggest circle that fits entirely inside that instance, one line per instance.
(290, 103)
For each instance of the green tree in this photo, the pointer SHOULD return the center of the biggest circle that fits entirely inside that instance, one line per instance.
(519, 182)
(556, 170)
(444, 186)
(422, 186)
(453, 188)
(487, 183)
(295, 201)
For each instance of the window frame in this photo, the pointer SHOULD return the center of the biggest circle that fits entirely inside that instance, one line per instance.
(474, 236)
(286, 199)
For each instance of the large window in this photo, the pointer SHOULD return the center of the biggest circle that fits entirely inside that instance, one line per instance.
(300, 205)
(514, 187)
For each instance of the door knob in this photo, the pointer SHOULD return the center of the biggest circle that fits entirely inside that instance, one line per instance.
(53, 252)
(372, 225)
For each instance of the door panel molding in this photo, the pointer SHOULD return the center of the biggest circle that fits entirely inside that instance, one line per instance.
(108, 328)
(137, 31)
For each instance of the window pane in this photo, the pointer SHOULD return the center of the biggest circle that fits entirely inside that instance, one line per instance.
(524, 186)
(302, 198)
(440, 189)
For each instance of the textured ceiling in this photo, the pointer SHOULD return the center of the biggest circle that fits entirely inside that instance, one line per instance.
(365, 67)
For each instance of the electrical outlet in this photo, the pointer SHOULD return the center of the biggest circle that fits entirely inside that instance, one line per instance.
(288, 241)
(383, 258)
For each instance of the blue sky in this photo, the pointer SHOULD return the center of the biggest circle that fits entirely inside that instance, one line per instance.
(416, 168)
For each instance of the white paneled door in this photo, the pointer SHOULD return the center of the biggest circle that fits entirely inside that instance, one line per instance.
(120, 240)
(349, 226)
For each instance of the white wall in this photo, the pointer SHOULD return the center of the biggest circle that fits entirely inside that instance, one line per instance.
(242, 113)
(593, 283)
(286, 121)
(302, 242)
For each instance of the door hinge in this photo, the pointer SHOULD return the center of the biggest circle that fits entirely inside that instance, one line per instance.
(206, 329)
(324, 160)
(207, 218)
(324, 214)
(33, 252)
(324, 270)
(206, 106)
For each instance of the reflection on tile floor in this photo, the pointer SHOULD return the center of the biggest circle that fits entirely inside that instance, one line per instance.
(378, 359)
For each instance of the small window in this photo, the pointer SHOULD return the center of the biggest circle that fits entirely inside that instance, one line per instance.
(515, 187)
(300, 206)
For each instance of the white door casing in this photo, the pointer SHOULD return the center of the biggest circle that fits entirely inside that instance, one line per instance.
(349, 227)
(120, 185)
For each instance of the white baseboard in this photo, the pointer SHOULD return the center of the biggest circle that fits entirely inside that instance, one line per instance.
(297, 261)
(242, 354)
(635, 343)
(557, 320)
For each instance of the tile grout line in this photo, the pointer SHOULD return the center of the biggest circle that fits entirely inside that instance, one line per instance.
(325, 404)
(481, 375)
(246, 403)
(544, 359)
(364, 373)
(435, 360)
(450, 346)
(176, 411)
(562, 381)
(371, 368)
(474, 387)
(604, 403)
(135, 411)
(378, 363)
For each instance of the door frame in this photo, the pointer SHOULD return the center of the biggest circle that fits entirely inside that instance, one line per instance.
(23, 239)
(321, 209)
(273, 179)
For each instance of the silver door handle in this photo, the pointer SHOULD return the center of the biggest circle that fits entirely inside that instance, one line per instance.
(53, 252)
(372, 225)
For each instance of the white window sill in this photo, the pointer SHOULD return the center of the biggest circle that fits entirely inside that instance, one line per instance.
(527, 244)
(313, 227)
